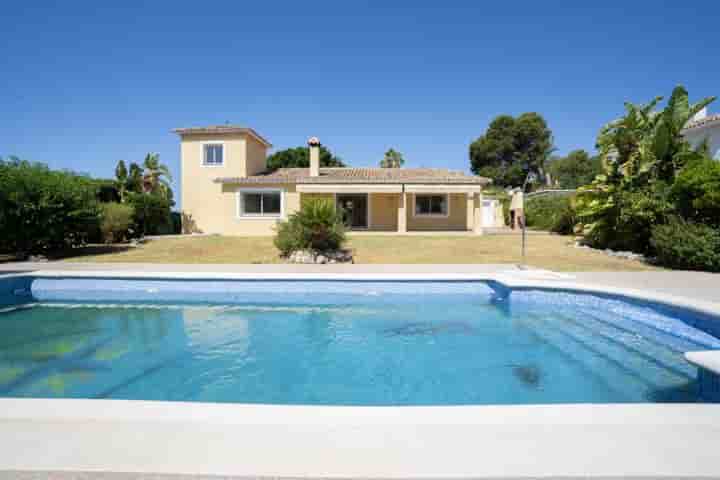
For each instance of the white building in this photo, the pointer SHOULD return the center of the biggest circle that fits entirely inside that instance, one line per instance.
(704, 127)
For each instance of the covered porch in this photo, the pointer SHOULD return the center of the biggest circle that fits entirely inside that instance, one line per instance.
(404, 208)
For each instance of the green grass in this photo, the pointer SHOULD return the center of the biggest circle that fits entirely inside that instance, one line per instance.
(552, 252)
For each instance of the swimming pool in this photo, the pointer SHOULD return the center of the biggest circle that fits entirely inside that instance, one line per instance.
(341, 343)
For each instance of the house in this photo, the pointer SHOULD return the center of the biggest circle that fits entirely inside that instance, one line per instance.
(704, 127)
(227, 189)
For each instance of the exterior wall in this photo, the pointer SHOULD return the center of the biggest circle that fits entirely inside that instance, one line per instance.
(456, 220)
(712, 133)
(225, 219)
(205, 204)
(384, 211)
(256, 157)
(201, 198)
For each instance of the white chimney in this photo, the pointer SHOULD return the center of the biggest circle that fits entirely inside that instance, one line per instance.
(314, 145)
(700, 115)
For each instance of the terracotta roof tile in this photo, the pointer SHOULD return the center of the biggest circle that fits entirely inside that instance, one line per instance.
(361, 175)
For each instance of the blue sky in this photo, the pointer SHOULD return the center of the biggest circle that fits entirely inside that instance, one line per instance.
(84, 84)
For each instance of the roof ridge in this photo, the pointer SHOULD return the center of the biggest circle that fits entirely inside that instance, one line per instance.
(702, 121)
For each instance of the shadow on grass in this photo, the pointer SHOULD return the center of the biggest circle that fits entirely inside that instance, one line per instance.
(86, 251)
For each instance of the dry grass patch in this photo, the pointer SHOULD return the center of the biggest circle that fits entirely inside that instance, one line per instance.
(545, 251)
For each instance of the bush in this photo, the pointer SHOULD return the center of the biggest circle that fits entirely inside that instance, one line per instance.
(151, 213)
(696, 192)
(624, 219)
(115, 220)
(43, 210)
(551, 212)
(688, 246)
(318, 226)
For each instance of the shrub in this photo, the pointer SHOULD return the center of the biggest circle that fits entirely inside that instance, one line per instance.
(551, 212)
(696, 192)
(318, 226)
(623, 220)
(688, 246)
(43, 210)
(151, 213)
(115, 220)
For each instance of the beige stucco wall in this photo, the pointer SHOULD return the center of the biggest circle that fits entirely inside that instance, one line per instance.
(456, 220)
(256, 156)
(384, 211)
(224, 217)
(208, 204)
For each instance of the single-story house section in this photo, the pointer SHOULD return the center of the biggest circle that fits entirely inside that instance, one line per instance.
(704, 128)
(227, 189)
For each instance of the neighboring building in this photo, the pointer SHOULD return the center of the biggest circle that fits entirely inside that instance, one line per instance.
(226, 189)
(704, 127)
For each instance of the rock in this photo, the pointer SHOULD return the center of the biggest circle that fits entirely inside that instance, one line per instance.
(308, 256)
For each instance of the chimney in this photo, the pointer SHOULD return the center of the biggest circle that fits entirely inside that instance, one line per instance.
(314, 145)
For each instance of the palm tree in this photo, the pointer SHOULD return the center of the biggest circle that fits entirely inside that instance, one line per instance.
(134, 180)
(393, 159)
(121, 180)
(156, 176)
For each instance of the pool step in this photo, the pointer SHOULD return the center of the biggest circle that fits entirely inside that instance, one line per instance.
(679, 337)
(651, 349)
(612, 374)
(630, 325)
(642, 366)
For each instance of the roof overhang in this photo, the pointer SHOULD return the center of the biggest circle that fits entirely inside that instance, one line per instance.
(443, 188)
(348, 188)
(222, 130)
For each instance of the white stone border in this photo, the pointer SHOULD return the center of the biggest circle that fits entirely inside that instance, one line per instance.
(391, 442)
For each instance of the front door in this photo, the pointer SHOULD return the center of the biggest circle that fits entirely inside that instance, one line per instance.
(355, 209)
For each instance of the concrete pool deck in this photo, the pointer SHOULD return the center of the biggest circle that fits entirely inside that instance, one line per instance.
(568, 441)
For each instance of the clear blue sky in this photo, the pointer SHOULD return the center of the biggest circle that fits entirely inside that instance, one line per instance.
(84, 84)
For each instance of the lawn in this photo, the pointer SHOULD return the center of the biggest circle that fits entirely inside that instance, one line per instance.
(545, 251)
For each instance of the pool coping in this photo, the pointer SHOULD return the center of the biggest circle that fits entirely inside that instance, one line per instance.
(591, 440)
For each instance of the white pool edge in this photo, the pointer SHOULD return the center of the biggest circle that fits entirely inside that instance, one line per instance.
(371, 442)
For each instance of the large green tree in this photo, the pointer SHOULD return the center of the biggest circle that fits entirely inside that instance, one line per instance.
(576, 169)
(299, 157)
(511, 148)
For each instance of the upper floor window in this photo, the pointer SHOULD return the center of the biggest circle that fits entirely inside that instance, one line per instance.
(213, 154)
(431, 205)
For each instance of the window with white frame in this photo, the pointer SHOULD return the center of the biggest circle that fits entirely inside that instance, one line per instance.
(213, 154)
(260, 203)
(431, 205)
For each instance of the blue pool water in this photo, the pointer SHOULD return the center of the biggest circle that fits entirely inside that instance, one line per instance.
(340, 343)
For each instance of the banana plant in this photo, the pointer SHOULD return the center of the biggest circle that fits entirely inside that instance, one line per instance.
(641, 152)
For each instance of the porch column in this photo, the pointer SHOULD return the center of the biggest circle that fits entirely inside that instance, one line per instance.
(402, 213)
(477, 212)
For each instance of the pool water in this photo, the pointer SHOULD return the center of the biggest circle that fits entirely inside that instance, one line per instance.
(341, 343)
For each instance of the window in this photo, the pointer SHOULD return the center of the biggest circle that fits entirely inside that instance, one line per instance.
(431, 205)
(259, 203)
(213, 154)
